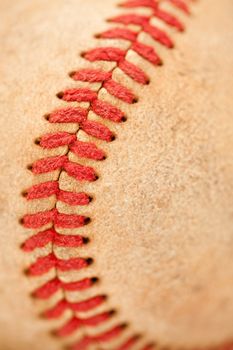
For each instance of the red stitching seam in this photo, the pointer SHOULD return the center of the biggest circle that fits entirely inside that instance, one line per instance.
(83, 173)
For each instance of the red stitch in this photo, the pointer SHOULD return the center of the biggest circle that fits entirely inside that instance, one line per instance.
(112, 54)
(158, 35)
(153, 4)
(46, 165)
(42, 190)
(47, 189)
(75, 323)
(80, 172)
(130, 19)
(119, 91)
(117, 55)
(40, 219)
(149, 347)
(82, 306)
(87, 150)
(73, 198)
(68, 115)
(181, 5)
(91, 75)
(70, 220)
(130, 343)
(78, 95)
(107, 111)
(169, 19)
(41, 239)
(97, 130)
(104, 337)
(51, 287)
(46, 263)
(147, 52)
(119, 33)
(133, 72)
(58, 139)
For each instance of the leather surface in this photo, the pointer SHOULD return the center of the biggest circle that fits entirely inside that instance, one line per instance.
(161, 231)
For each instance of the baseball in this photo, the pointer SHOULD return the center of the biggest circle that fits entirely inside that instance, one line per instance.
(116, 175)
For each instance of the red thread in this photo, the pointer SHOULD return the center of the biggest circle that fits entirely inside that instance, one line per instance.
(146, 52)
(52, 216)
(157, 12)
(78, 95)
(97, 130)
(47, 189)
(169, 19)
(76, 323)
(41, 239)
(134, 72)
(130, 19)
(119, 91)
(68, 115)
(156, 33)
(129, 343)
(87, 150)
(181, 5)
(153, 4)
(51, 287)
(107, 111)
(46, 263)
(103, 337)
(78, 171)
(91, 75)
(119, 33)
(111, 54)
(159, 35)
(56, 140)
(82, 306)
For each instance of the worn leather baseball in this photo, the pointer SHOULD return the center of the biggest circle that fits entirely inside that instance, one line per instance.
(116, 189)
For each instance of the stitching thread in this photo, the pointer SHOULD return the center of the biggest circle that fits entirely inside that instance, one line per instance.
(89, 150)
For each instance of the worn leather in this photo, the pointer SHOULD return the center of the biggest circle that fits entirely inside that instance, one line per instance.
(162, 219)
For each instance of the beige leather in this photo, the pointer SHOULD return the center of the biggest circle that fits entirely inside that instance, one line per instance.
(162, 219)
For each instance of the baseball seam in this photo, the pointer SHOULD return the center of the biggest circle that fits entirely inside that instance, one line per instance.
(53, 218)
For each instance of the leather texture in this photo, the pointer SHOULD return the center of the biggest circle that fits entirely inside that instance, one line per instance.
(162, 215)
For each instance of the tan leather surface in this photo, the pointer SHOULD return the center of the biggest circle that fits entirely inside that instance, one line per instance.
(161, 231)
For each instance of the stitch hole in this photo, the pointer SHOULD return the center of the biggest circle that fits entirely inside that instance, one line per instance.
(71, 74)
(60, 95)
(90, 261)
(21, 221)
(24, 193)
(83, 54)
(123, 119)
(112, 312)
(135, 100)
(113, 138)
(97, 36)
(124, 325)
(37, 141)
(95, 280)
(46, 117)
(26, 272)
(87, 220)
(86, 240)
(29, 167)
